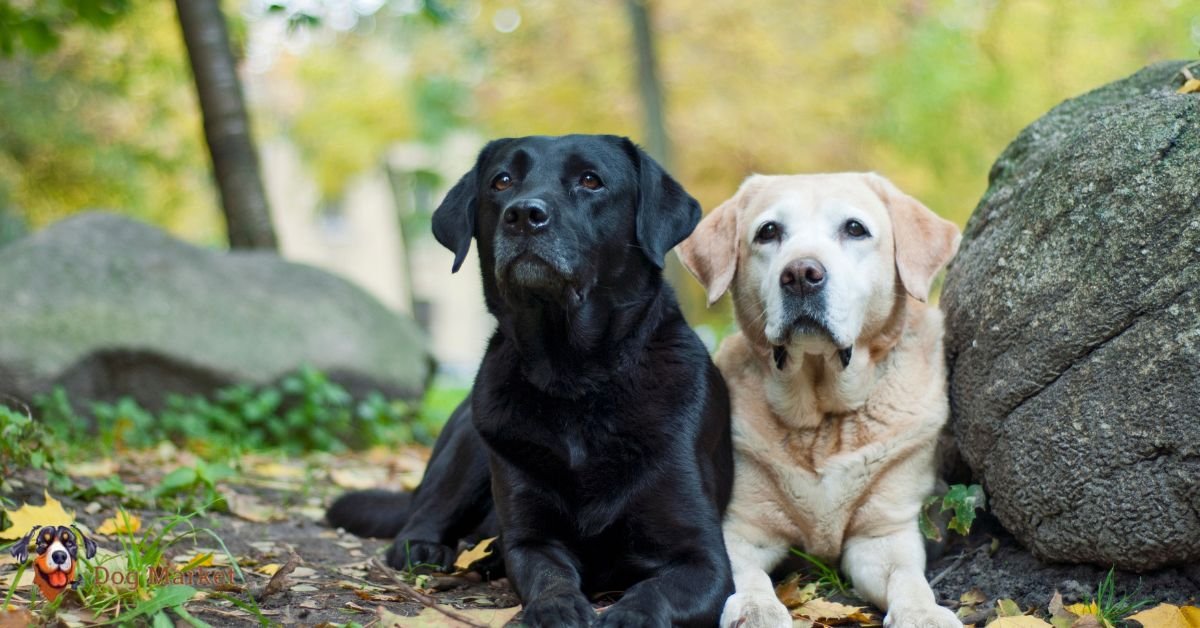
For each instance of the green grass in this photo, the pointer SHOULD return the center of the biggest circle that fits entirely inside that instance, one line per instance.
(829, 580)
(1112, 609)
(140, 555)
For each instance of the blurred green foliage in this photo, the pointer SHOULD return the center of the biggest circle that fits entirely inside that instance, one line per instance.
(26, 444)
(105, 118)
(304, 412)
(36, 26)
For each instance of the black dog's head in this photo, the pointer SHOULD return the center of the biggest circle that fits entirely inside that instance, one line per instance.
(557, 217)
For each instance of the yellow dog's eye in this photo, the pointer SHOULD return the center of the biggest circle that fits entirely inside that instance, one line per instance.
(855, 229)
(591, 181)
(769, 231)
(502, 182)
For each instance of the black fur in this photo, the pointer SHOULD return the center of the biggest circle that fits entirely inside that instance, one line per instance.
(597, 418)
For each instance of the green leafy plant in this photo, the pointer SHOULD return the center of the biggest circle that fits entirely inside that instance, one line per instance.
(26, 444)
(193, 487)
(305, 411)
(961, 500)
(829, 580)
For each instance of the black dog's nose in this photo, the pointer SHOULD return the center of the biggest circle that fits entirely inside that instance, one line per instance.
(803, 277)
(59, 557)
(527, 216)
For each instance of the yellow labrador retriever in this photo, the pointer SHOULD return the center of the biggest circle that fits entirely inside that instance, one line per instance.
(837, 383)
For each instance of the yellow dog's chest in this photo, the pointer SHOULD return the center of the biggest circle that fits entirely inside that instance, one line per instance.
(821, 475)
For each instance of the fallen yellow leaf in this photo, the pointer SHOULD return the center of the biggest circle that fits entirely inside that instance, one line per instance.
(1083, 609)
(1008, 608)
(792, 594)
(831, 613)
(279, 471)
(127, 524)
(268, 570)
(95, 469)
(27, 517)
(1168, 616)
(482, 550)
(1190, 86)
(250, 508)
(972, 597)
(199, 560)
(357, 479)
(25, 582)
(1019, 621)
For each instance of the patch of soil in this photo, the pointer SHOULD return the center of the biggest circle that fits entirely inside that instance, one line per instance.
(992, 561)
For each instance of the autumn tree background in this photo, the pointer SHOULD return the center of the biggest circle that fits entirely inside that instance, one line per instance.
(104, 114)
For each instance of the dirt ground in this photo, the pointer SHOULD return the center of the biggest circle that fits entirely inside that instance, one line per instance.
(276, 506)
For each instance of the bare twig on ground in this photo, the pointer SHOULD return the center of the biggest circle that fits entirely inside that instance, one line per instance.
(945, 572)
(423, 599)
(279, 580)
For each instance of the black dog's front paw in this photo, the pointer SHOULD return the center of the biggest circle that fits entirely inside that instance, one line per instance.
(563, 609)
(625, 616)
(407, 554)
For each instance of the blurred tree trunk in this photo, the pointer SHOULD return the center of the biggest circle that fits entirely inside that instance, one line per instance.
(226, 126)
(649, 87)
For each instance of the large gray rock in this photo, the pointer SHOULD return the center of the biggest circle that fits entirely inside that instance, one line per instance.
(107, 307)
(1073, 314)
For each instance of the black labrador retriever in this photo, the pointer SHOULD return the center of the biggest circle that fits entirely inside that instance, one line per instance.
(597, 419)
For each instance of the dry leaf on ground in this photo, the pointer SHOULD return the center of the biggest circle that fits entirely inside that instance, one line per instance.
(1060, 617)
(358, 478)
(1008, 608)
(792, 594)
(251, 508)
(482, 550)
(102, 468)
(432, 618)
(25, 582)
(1168, 616)
(123, 523)
(27, 516)
(831, 613)
(1019, 621)
(16, 619)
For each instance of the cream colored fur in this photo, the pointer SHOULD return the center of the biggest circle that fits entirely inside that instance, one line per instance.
(834, 459)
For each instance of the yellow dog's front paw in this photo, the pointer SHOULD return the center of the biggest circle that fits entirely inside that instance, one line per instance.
(755, 610)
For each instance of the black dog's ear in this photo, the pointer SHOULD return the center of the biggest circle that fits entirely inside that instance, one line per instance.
(89, 546)
(454, 219)
(666, 213)
(20, 551)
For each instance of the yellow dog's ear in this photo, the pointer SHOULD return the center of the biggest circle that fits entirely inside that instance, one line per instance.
(711, 252)
(924, 241)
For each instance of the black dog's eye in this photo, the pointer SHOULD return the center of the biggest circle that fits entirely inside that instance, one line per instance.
(768, 232)
(502, 182)
(855, 229)
(591, 181)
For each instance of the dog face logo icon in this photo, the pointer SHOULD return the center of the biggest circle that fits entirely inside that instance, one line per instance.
(57, 555)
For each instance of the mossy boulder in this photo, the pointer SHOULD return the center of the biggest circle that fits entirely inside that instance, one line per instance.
(1073, 328)
(109, 307)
